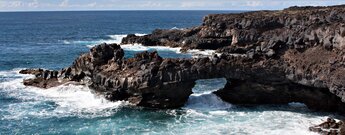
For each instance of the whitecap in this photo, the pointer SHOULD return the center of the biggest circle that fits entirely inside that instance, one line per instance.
(139, 47)
(117, 38)
(204, 113)
(203, 97)
(66, 42)
(202, 53)
(176, 28)
(206, 102)
(14, 73)
(196, 53)
(219, 112)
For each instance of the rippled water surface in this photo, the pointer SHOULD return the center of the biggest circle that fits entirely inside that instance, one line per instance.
(52, 40)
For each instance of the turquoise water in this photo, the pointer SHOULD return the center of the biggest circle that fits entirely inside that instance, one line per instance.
(52, 40)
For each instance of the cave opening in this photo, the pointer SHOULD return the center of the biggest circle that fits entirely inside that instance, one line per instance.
(251, 92)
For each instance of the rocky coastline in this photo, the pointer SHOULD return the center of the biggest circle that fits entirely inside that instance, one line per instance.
(292, 54)
(268, 57)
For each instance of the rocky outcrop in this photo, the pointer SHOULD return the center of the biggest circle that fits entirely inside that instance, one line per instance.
(269, 57)
(329, 127)
(261, 31)
(44, 78)
(145, 80)
(187, 39)
(151, 81)
(305, 45)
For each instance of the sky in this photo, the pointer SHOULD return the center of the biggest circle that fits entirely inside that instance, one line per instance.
(71, 5)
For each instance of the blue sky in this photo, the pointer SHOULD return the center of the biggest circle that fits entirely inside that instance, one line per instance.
(62, 5)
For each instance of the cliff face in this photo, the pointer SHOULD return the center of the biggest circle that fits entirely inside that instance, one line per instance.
(269, 57)
(295, 27)
(305, 43)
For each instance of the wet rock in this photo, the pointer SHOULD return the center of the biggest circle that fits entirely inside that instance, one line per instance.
(44, 78)
(329, 127)
(270, 53)
(36, 72)
(341, 125)
(254, 92)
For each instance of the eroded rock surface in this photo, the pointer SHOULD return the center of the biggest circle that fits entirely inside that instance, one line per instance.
(44, 78)
(260, 31)
(329, 127)
(299, 45)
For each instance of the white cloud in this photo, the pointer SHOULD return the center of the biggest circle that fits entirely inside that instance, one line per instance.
(15, 4)
(33, 4)
(11, 4)
(189, 4)
(24, 5)
(151, 4)
(64, 3)
(94, 4)
(255, 3)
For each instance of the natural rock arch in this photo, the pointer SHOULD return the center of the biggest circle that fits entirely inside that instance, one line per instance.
(296, 53)
(151, 81)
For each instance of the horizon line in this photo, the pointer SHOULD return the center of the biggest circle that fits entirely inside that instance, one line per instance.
(102, 10)
(105, 10)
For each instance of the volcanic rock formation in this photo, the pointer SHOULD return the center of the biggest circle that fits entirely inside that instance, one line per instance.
(329, 127)
(268, 57)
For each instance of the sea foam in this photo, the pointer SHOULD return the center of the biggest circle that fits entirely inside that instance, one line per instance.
(207, 101)
(61, 101)
(204, 112)
(113, 39)
(203, 97)
(219, 117)
(195, 53)
(91, 43)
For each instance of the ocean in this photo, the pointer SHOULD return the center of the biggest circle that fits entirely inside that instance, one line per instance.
(52, 40)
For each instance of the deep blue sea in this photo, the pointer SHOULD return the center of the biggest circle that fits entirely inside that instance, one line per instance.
(52, 40)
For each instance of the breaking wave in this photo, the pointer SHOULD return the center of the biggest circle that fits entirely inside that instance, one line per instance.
(62, 101)
(91, 43)
(195, 53)
(203, 111)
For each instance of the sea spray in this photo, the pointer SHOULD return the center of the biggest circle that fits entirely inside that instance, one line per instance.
(195, 53)
(203, 111)
(61, 101)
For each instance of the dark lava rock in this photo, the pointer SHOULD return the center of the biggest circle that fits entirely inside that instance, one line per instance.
(44, 78)
(296, 27)
(329, 127)
(267, 56)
